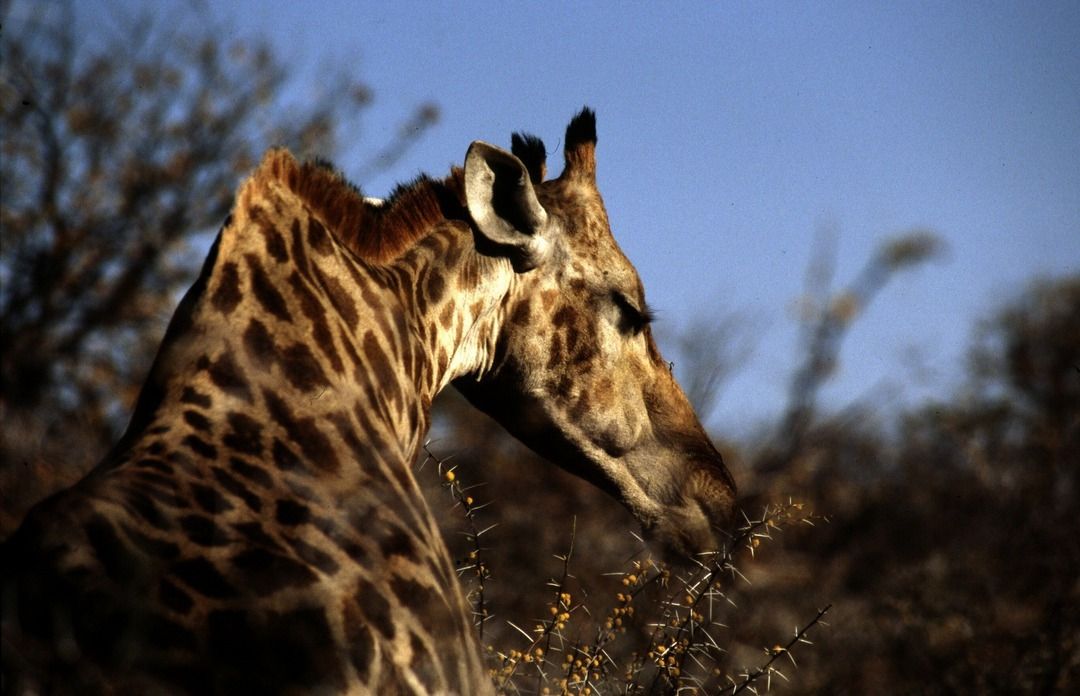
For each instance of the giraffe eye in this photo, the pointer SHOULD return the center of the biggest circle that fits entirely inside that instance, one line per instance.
(632, 318)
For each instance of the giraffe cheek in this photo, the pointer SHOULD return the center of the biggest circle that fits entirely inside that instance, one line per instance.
(616, 428)
(616, 442)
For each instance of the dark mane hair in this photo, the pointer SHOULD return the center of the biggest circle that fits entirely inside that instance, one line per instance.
(375, 233)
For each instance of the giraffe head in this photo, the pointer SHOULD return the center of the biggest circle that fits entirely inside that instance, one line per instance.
(576, 374)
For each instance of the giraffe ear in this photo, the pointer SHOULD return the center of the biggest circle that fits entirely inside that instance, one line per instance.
(502, 202)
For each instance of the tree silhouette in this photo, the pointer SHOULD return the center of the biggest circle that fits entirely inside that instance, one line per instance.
(121, 153)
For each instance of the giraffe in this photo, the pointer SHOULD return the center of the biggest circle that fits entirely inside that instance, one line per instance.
(258, 528)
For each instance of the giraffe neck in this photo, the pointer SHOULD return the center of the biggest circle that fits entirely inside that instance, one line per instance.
(299, 377)
(344, 356)
(454, 306)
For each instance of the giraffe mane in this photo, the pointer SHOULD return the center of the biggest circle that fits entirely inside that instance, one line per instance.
(375, 233)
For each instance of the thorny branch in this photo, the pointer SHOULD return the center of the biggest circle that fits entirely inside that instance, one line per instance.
(775, 652)
(475, 562)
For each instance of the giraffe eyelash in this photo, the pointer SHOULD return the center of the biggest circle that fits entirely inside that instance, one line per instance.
(634, 318)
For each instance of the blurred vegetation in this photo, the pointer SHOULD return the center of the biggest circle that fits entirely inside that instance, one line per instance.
(950, 555)
(121, 153)
(953, 556)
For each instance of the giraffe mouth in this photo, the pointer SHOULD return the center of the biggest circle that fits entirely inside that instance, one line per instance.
(695, 524)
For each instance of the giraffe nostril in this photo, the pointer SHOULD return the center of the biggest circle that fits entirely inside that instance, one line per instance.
(712, 487)
(720, 513)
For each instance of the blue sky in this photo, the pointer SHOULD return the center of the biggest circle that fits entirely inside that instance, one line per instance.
(731, 133)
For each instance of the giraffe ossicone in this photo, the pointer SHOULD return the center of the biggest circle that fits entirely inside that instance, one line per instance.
(258, 528)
